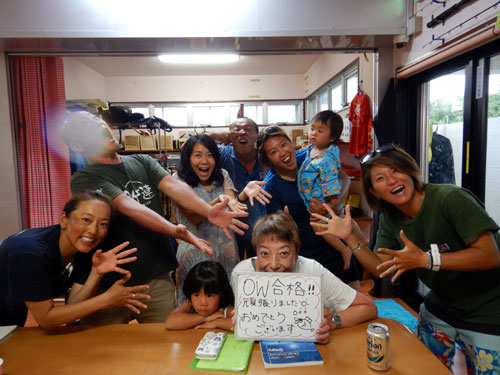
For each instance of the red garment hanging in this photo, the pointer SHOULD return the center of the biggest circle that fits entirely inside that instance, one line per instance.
(361, 140)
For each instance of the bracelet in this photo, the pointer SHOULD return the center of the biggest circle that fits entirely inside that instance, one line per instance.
(436, 257)
(356, 248)
(225, 311)
(430, 259)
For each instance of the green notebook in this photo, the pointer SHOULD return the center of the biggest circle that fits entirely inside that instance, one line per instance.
(234, 356)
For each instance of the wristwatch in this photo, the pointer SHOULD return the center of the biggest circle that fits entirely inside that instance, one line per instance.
(337, 320)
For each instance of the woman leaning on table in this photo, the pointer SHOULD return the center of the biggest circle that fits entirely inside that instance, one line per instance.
(444, 232)
(36, 265)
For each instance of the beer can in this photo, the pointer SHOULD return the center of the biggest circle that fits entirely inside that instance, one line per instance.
(378, 347)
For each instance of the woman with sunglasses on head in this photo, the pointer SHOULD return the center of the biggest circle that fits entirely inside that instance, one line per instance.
(276, 151)
(36, 267)
(445, 234)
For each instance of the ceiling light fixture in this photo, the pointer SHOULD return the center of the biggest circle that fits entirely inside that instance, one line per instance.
(206, 58)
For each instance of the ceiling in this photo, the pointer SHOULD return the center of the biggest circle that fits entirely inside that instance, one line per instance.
(137, 66)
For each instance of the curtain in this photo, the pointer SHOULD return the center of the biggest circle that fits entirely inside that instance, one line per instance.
(40, 108)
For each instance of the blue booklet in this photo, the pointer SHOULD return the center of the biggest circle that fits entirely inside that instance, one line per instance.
(289, 353)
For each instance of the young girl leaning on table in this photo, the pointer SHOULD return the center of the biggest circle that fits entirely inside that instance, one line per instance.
(209, 300)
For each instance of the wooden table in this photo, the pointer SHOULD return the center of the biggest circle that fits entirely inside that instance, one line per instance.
(150, 349)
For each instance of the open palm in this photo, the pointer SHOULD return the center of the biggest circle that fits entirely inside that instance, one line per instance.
(108, 261)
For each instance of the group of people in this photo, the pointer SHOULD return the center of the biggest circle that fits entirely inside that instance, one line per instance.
(277, 201)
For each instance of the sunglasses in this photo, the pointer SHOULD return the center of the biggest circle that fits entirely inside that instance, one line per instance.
(379, 151)
(266, 133)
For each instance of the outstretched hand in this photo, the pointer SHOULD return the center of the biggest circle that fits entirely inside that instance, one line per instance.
(337, 226)
(108, 261)
(254, 190)
(409, 258)
(218, 216)
(233, 204)
(186, 236)
(128, 296)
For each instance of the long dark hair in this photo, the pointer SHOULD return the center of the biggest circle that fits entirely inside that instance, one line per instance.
(211, 276)
(186, 171)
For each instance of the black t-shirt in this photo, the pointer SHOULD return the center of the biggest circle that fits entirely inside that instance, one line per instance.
(31, 270)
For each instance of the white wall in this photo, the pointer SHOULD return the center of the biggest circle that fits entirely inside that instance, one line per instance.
(10, 216)
(204, 88)
(455, 26)
(329, 64)
(81, 82)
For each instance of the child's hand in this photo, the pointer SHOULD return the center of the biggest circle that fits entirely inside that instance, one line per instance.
(216, 315)
(207, 325)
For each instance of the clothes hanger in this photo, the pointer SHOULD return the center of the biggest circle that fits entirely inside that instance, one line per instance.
(360, 87)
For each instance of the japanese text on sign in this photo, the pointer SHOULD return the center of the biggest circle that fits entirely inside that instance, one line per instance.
(278, 306)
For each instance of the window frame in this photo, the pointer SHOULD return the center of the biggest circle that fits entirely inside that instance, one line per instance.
(299, 110)
(312, 102)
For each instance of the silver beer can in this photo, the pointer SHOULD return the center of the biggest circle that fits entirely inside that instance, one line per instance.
(378, 347)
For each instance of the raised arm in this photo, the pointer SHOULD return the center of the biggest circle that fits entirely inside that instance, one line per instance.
(102, 263)
(342, 227)
(254, 190)
(182, 194)
(149, 219)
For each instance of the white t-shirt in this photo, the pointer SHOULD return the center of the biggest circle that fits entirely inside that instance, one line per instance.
(337, 296)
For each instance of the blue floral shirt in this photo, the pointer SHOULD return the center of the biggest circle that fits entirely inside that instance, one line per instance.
(319, 176)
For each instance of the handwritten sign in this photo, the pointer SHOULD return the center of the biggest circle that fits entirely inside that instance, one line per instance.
(278, 306)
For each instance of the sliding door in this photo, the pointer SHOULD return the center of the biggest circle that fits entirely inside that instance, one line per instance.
(458, 122)
(443, 128)
(492, 183)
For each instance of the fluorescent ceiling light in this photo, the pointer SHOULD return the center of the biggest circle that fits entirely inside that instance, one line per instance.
(206, 58)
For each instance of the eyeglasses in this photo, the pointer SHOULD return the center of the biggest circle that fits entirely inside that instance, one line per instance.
(379, 151)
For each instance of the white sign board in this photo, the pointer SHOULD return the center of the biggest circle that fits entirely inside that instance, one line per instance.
(278, 306)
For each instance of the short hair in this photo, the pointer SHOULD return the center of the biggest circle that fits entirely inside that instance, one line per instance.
(249, 119)
(212, 277)
(79, 129)
(394, 158)
(332, 120)
(269, 132)
(185, 170)
(86, 195)
(279, 226)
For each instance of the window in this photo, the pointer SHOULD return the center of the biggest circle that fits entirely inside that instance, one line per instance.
(288, 112)
(336, 94)
(222, 114)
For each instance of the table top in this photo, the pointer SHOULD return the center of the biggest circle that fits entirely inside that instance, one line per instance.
(150, 349)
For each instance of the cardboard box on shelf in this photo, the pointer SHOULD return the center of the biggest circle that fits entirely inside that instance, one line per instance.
(148, 142)
(131, 142)
(166, 142)
(296, 134)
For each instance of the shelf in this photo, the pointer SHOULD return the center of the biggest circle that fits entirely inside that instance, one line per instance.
(147, 151)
